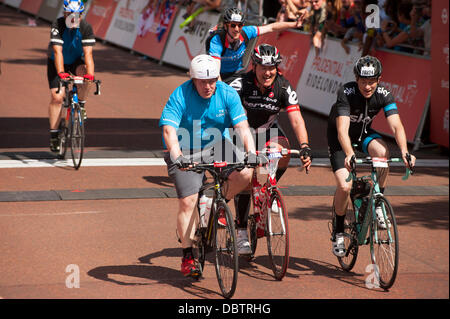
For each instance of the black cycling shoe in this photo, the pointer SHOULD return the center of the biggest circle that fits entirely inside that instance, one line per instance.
(54, 145)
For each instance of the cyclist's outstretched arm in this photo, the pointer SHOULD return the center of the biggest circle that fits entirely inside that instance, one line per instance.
(279, 26)
(397, 128)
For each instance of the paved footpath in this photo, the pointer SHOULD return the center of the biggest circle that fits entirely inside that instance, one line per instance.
(114, 219)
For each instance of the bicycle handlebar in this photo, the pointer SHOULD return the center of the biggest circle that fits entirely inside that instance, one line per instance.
(76, 80)
(379, 160)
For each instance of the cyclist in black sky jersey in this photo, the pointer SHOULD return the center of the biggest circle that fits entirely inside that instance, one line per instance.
(69, 51)
(349, 123)
(264, 94)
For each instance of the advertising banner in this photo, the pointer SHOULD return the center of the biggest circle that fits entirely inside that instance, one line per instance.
(124, 25)
(410, 87)
(31, 6)
(155, 22)
(439, 110)
(324, 74)
(100, 15)
(50, 10)
(294, 49)
(184, 44)
(13, 3)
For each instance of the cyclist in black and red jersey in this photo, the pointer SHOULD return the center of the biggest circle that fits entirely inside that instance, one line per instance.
(350, 123)
(69, 51)
(264, 94)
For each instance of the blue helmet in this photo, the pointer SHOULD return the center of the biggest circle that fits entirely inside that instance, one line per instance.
(73, 6)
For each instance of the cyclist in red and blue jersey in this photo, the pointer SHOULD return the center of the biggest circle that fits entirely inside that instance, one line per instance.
(69, 51)
(196, 118)
(229, 48)
(264, 93)
(350, 123)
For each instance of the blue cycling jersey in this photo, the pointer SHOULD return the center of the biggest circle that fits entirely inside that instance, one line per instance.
(71, 40)
(231, 60)
(201, 122)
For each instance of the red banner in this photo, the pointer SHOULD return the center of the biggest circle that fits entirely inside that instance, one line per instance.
(439, 109)
(100, 15)
(154, 25)
(294, 48)
(31, 6)
(408, 79)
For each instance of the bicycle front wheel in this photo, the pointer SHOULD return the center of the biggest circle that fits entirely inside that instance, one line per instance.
(277, 228)
(384, 247)
(225, 247)
(77, 137)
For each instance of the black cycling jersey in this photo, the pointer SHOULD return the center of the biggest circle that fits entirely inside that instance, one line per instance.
(262, 109)
(72, 40)
(350, 102)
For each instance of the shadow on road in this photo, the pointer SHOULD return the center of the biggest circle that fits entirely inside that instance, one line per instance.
(411, 213)
(140, 274)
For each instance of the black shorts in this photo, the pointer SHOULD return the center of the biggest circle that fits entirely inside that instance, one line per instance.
(52, 75)
(337, 155)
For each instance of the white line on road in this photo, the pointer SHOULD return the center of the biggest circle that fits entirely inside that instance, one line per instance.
(92, 162)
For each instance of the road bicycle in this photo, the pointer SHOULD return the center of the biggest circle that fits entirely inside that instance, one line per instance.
(71, 126)
(217, 235)
(269, 217)
(362, 225)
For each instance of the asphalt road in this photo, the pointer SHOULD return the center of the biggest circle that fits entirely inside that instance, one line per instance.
(113, 221)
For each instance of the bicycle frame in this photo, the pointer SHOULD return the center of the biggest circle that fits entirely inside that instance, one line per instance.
(375, 193)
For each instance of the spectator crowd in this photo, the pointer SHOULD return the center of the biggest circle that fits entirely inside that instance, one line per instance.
(400, 25)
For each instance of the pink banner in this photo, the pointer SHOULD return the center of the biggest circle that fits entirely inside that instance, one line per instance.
(100, 15)
(293, 47)
(410, 87)
(154, 25)
(439, 110)
(31, 6)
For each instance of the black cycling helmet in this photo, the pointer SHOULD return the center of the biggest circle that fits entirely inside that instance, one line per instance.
(233, 15)
(368, 67)
(266, 54)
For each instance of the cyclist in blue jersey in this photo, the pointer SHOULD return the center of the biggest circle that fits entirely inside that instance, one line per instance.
(228, 46)
(350, 123)
(69, 51)
(196, 118)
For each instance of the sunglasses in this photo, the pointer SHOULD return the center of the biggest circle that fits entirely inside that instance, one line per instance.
(234, 25)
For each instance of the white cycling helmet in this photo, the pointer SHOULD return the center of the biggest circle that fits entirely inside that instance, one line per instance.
(204, 67)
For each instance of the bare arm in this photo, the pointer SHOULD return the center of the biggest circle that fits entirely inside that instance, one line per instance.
(171, 140)
(89, 59)
(279, 26)
(397, 128)
(59, 58)
(245, 134)
(343, 124)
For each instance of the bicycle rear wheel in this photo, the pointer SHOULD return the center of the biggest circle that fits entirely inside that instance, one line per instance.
(350, 238)
(63, 139)
(384, 247)
(251, 228)
(277, 230)
(225, 247)
(77, 137)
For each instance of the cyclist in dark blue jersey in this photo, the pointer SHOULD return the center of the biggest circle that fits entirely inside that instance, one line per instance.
(350, 123)
(195, 118)
(69, 51)
(230, 47)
